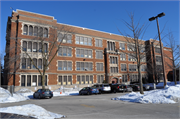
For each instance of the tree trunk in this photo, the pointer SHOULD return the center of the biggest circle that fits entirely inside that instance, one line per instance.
(43, 81)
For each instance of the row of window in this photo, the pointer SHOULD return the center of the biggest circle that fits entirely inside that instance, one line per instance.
(65, 80)
(32, 80)
(35, 31)
(65, 38)
(83, 40)
(84, 79)
(30, 46)
(27, 64)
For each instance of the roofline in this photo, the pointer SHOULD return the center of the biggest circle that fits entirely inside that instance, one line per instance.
(34, 13)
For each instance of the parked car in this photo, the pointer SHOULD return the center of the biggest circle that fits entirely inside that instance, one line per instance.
(145, 86)
(43, 93)
(125, 88)
(88, 91)
(134, 87)
(114, 87)
(102, 87)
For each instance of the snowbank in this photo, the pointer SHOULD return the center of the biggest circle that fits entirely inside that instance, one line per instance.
(171, 94)
(31, 110)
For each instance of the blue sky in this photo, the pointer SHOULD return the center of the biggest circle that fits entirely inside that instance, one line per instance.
(99, 15)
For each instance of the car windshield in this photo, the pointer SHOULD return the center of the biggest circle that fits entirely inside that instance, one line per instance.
(106, 85)
(45, 90)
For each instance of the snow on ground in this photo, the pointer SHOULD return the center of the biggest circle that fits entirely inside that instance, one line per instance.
(31, 110)
(171, 94)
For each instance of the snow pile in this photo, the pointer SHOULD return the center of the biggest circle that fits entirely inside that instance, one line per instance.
(6, 96)
(171, 94)
(31, 110)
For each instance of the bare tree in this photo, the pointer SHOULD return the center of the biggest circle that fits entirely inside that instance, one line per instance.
(175, 60)
(49, 45)
(138, 50)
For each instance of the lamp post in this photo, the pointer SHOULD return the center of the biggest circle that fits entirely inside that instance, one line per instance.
(151, 19)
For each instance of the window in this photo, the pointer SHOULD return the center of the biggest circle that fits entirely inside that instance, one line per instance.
(158, 59)
(100, 78)
(83, 40)
(91, 79)
(122, 46)
(24, 45)
(23, 80)
(123, 67)
(35, 31)
(78, 80)
(30, 30)
(130, 47)
(131, 57)
(40, 32)
(124, 78)
(86, 53)
(114, 69)
(143, 59)
(143, 67)
(25, 30)
(23, 63)
(99, 54)
(122, 56)
(35, 62)
(142, 49)
(159, 68)
(111, 45)
(29, 46)
(60, 80)
(40, 47)
(84, 66)
(35, 47)
(99, 66)
(84, 79)
(98, 43)
(65, 65)
(35, 79)
(113, 60)
(157, 50)
(28, 80)
(65, 38)
(45, 32)
(28, 63)
(40, 63)
(45, 47)
(134, 78)
(132, 67)
(64, 80)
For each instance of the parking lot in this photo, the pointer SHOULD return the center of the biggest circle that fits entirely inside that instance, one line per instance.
(101, 106)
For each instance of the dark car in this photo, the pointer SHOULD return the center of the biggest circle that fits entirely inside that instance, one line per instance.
(43, 93)
(114, 88)
(88, 91)
(102, 87)
(134, 87)
(145, 86)
(125, 88)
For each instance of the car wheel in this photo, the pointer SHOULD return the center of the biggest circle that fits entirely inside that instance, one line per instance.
(88, 93)
(50, 97)
(100, 92)
(80, 93)
(114, 91)
(39, 96)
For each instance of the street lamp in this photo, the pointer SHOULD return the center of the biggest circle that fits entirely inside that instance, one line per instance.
(151, 19)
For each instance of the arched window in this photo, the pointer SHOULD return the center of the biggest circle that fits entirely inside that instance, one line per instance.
(35, 62)
(24, 45)
(45, 47)
(45, 32)
(25, 30)
(28, 63)
(40, 47)
(30, 30)
(34, 47)
(29, 46)
(60, 37)
(35, 31)
(23, 63)
(40, 32)
(40, 63)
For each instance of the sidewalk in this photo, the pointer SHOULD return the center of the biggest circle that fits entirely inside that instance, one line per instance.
(16, 116)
